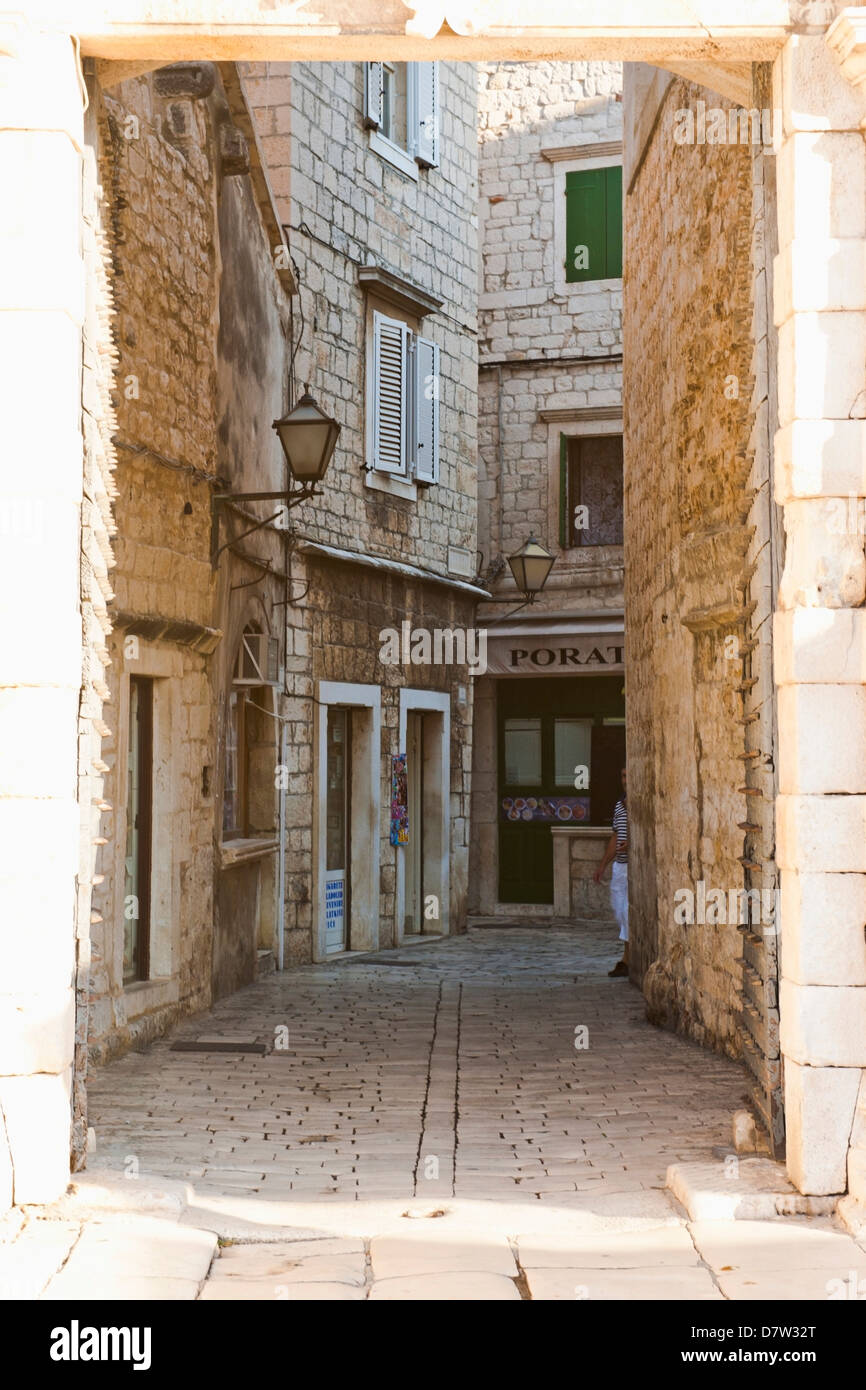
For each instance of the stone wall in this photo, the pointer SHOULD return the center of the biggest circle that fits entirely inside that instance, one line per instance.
(351, 211)
(199, 339)
(690, 621)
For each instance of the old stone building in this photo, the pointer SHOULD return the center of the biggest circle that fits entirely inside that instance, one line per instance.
(133, 375)
(550, 465)
(259, 704)
(184, 897)
(374, 173)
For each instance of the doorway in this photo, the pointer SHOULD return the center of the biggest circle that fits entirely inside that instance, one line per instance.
(338, 829)
(418, 740)
(424, 862)
(561, 746)
(139, 832)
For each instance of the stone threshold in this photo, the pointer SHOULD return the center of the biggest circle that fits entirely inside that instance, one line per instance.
(757, 1190)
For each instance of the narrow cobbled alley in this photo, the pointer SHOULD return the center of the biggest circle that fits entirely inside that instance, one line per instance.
(485, 1117)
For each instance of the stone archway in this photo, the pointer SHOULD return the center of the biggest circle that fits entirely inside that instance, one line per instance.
(49, 815)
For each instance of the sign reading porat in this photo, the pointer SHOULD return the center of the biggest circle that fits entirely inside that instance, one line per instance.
(554, 656)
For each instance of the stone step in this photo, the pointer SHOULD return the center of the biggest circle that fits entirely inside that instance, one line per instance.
(265, 963)
(748, 1189)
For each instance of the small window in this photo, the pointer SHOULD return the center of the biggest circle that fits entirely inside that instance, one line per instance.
(593, 224)
(401, 111)
(593, 490)
(248, 777)
(404, 401)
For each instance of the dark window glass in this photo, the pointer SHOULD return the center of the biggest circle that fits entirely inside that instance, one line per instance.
(595, 490)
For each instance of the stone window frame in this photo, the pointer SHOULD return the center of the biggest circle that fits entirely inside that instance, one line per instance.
(576, 424)
(564, 162)
(365, 702)
(408, 161)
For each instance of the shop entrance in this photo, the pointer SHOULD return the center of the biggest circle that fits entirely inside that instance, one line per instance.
(561, 744)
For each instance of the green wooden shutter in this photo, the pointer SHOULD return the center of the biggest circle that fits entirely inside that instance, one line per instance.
(563, 491)
(614, 221)
(593, 220)
(585, 224)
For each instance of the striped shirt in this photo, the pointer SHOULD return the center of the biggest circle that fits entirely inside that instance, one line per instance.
(620, 830)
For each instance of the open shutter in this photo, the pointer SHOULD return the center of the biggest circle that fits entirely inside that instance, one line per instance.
(390, 380)
(585, 225)
(374, 94)
(564, 537)
(426, 411)
(426, 144)
(613, 211)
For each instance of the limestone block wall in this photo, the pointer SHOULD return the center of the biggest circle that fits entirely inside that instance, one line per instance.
(688, 287)
(544, 345)
(347, 207)
(198, 346)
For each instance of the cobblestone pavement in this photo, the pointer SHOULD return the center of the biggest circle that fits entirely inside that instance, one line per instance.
(485, 1117)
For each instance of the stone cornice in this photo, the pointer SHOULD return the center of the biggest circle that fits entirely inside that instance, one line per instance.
(403, 294)
(846, 38)
(601, 149)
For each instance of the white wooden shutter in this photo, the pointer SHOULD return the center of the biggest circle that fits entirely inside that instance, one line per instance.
(426, 143)
(426, 413)
(390, 380)
(374, 94)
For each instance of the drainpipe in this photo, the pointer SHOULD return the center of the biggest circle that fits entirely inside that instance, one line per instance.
(281, 874)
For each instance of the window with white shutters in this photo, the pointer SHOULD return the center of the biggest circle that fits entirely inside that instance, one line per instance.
(401, 111)
(404, 402)
(426, 412)
(374, 91)
(390, 382)
(426, 148)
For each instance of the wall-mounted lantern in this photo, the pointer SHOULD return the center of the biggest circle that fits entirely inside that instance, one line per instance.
(308, 438)
(531, 565)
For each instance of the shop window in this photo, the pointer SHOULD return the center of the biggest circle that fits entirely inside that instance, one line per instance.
(401, 111)
(593, 224)
(523, 752)
(404, 401)
(591, 490)
(572, 748)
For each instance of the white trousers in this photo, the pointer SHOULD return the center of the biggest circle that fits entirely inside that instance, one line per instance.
(619, 897)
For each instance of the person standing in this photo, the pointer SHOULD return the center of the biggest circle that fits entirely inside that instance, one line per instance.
(617, 852)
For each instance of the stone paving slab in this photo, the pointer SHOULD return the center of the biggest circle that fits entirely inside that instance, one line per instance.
(39, 1251)
(795, 1284)
(635, 1249)
(432, 1253)
(441, 1287)
(597, 1285)
(293, 1262)
(787, 1242)
(143, 1250)
(261, 1291)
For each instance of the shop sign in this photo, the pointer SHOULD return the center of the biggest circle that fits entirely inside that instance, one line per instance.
(538, 655)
